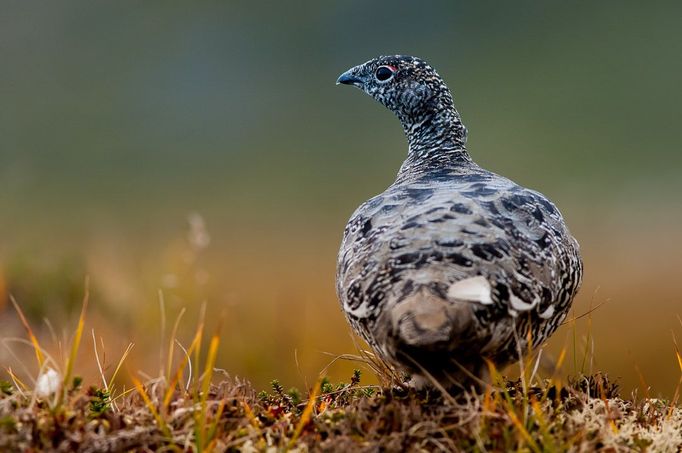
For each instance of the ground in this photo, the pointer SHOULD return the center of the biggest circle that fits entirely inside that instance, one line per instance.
(586, 415)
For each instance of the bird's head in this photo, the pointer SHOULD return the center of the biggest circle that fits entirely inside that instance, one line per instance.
(413, 90)
(402, 83)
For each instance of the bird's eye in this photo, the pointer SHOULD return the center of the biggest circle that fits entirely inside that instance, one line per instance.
(384, 73)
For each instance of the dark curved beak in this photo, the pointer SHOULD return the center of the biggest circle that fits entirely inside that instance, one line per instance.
(348, 78)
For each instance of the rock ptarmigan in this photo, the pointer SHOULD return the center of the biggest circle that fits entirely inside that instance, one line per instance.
(452, 265)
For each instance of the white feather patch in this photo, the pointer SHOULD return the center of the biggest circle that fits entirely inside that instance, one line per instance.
(547, 313)
(518, 304)
(473, 289)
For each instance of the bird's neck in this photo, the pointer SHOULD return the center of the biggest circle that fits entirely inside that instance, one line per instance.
(436, 136)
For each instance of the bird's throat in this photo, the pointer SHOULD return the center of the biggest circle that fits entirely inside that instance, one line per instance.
(437, 137)
(433, 124)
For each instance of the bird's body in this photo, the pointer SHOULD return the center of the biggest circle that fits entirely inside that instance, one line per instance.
(452, 265)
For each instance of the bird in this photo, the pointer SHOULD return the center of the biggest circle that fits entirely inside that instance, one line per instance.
(453, 268)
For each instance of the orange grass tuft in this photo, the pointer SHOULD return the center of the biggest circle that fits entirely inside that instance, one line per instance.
(36, 346)
(306, 415)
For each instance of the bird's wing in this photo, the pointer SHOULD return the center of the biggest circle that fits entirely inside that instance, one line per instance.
(442, 237)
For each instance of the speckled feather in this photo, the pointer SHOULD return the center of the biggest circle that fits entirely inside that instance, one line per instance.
(452, 263)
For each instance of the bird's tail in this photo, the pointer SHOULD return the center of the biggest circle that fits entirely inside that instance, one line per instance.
(421, 320)
(426, 320)
(435, 337)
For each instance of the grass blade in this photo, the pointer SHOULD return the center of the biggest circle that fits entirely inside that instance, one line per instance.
(75, 344)
(201, 438)
(150, 405)
(171, 344)
(306, 415)
(181, 368)
(29, 331)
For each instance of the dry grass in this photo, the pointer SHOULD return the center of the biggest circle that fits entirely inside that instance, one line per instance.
(192, 406)
(341, 418)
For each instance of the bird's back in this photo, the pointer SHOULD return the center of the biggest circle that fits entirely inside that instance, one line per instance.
(425, 234)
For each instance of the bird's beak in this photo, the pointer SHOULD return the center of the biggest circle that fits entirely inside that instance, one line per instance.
(349, 78)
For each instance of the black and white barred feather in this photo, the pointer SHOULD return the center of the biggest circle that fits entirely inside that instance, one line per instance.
(452, 264)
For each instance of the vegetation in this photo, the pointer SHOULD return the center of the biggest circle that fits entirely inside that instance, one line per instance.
(207, 410)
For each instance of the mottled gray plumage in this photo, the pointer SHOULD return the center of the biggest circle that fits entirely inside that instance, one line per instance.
(452, 264)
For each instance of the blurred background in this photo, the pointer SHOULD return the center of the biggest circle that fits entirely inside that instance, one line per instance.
(202, 151)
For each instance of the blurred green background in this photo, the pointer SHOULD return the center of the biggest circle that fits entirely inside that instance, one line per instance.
(202, 150)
